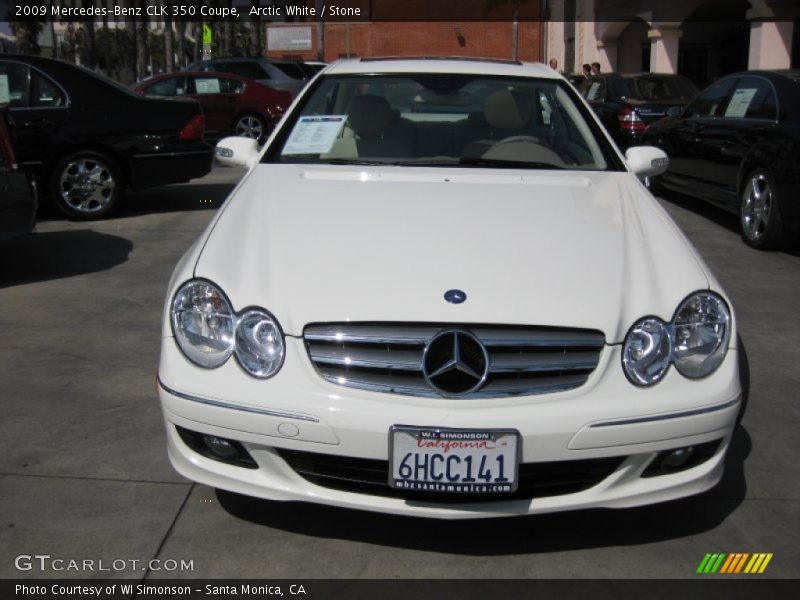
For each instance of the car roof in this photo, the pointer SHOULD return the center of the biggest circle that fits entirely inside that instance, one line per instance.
(258, 59)
(454, 65)
(774, 75)
(200, 74)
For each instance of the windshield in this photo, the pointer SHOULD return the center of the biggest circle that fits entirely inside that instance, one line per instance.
(443, 120)
(654, 89)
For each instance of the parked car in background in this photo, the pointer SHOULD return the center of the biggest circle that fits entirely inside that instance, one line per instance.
(313, 66)
(627, 104)
(232, 105)
(17, 186)
(471, 313)
(576, 79)
(285, 75)
(88, 138)
(737, 145)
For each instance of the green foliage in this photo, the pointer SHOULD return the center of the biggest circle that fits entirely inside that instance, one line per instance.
(27, 34)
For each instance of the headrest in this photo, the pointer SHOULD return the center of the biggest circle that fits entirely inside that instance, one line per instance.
(507, 110)
(369, 114)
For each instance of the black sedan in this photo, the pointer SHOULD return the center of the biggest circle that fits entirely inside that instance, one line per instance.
(88, 138)
(17, 187)
(738, 146)
(627, 104)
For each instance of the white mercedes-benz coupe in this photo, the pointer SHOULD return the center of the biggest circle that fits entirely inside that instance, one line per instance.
(440, 290)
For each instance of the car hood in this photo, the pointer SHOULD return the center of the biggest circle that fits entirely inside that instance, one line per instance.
(332, 243)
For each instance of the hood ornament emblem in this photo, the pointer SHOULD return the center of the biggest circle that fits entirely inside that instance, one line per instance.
(455, 363)
(455, 296)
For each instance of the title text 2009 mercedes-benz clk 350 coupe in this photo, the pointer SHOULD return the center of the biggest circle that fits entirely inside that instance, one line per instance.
(441, 291)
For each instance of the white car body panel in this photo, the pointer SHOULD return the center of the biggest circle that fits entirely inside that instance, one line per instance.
(325, 243)
(590, 250)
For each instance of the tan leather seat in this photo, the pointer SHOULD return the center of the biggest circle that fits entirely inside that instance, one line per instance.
(379, 132)
(505, 114)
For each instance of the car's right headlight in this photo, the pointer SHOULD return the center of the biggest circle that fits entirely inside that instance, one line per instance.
(203, 323)
(695, 341)
(702, 330)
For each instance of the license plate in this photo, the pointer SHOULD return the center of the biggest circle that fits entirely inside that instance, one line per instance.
(456, 461)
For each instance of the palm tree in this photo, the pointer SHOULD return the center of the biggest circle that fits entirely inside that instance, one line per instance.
(130, 51)
(169, 42)
(180, 46)
(228, 44)
(27, 36)
(88, 55)
(141, 42)
(255, 42)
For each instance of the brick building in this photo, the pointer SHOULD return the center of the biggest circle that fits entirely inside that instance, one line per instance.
(415, 28)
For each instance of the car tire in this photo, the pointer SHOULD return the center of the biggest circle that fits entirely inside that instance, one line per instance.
(86, 185)
(251, 125)
(759, 212)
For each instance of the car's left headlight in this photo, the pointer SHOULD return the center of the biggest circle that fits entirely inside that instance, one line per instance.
(701, 332)
(259, 344)
(695, 341)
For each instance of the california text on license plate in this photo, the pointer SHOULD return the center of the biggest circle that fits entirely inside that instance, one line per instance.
(472, 461)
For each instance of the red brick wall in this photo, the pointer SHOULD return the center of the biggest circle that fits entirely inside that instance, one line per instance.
(479, 39)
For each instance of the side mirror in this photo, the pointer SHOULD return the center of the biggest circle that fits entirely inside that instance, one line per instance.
(237, 151)
(674, 111)
(646, 161)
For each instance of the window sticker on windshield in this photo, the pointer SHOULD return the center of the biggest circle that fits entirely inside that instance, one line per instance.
(4, 95)
(314, 134)
(207, 86)
(740, 102)
(591, 94)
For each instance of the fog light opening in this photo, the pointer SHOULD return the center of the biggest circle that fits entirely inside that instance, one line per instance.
(220, 447)
(681, 459)
(675, 459)
(217, 448)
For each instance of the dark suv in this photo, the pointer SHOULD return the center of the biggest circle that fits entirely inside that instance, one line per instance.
(627, 104)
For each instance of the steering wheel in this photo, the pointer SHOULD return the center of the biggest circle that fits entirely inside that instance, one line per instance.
(520, 138)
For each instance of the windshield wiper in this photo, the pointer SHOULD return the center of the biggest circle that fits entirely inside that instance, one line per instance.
(507, 164)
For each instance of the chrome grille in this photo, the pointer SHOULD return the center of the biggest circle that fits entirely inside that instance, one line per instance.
(388, 357)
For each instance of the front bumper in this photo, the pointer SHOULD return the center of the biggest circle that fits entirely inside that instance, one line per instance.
(297, 410)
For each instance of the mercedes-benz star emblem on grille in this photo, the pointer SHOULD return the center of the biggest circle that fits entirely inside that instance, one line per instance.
(455, 296)
(455, 363)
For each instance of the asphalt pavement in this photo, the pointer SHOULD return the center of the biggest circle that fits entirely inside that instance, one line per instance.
(84, 472)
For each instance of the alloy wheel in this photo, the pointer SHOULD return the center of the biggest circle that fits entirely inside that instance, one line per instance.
(757, 201)
(249, 126)
(86, 185)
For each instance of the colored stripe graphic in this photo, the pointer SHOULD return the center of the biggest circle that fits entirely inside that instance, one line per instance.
(734, 563)
(761, 564)
(754, 563)
(728, 564)
(711, 563)
(715, 567)
(739, 566)
(703, 563)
